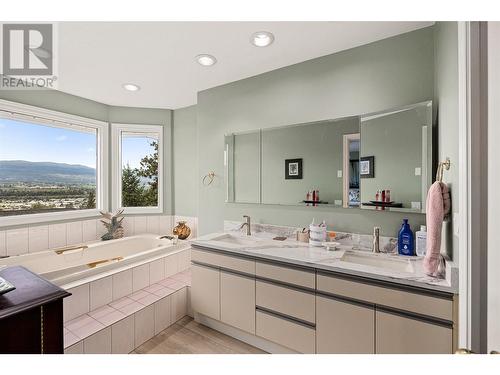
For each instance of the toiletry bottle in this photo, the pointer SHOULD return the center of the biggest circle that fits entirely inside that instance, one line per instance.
(405, 239)
(308, 197)
(387, 195)
(383, 196)
(421, 241)
(317, 195)
(377, 196)
(314, 195)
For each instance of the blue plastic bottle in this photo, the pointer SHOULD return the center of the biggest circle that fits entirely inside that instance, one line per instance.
(405, 240)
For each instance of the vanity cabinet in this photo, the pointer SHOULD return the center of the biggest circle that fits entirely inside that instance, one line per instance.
(402, 319)
(344, 327)
(237, 301)
(205, 290)
(399, 334)
(308, 310)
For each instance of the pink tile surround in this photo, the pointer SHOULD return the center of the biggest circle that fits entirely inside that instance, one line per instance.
(90, 323)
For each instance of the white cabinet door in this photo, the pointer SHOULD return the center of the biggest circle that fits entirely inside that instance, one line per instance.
(397, 334)
(205, 291)
(344, 328)
(237, 301)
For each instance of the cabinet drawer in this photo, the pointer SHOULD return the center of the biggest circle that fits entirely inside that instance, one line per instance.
(224, 261)
(205, 295)
(287, 301)
(400, 335)
(344, 328)
(237, 301)
(418, 303)
(293, 276)
(295, 336)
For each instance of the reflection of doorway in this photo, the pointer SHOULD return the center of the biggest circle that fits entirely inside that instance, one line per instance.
(350, 173)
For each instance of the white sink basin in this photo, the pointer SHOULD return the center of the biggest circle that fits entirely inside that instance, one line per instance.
(380, 261)
(236, 240)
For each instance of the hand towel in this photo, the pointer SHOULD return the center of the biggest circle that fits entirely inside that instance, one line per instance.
(438, 206)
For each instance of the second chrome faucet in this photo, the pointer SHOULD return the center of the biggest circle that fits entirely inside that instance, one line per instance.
(247, 224)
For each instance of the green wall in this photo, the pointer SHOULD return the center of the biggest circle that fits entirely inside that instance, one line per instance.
(446, 113)
(393, 72)
(185, 162)
(75, 105)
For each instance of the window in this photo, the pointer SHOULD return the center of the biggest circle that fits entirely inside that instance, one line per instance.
(50, 165)
(137, 168)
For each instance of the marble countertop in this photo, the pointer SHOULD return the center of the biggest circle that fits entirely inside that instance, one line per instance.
(262, 246)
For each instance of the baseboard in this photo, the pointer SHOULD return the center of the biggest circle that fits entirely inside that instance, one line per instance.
(258, 342)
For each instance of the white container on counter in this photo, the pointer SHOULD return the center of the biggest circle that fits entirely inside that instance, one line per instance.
(317, 234)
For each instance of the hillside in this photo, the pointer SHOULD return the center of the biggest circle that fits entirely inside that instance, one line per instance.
(45, 172)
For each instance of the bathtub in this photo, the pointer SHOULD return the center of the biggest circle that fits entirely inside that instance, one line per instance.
(76, 266)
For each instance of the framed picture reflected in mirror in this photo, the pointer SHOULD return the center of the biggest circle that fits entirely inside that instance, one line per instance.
(293, 169)
(367, 167)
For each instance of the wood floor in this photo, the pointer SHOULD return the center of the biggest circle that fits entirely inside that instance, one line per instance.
(188, 337)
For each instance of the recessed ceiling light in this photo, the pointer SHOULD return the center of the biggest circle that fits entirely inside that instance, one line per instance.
(131, 87)
(206, 60)
(262, 38)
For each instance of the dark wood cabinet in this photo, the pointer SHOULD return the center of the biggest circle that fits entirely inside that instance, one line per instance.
(31, 316)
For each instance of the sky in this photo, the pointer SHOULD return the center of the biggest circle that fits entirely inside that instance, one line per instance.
(24, 141)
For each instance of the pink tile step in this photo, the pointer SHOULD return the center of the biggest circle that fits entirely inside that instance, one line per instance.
(92, 322)
(138, 295)
(89, 329)
(107, 315)
(70, 339)
(79, 322)
(119, 303)
(163, 292)
(182, 277)
(173, 284)
(149, 299)
(153, 288)
(131, 308)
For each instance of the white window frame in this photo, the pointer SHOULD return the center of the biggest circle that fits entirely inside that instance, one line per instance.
(37, 115)
(116, 147)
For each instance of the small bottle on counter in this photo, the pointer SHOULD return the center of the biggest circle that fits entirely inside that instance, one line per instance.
(421, 241)
(387, 195)
(405, 240)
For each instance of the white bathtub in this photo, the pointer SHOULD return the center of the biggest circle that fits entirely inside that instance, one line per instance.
(77, 265)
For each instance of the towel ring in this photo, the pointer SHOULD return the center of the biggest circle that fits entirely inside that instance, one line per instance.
(208, 178)
(442, 165)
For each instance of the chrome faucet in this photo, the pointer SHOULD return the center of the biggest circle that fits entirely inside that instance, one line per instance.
(376, 240)
(247, 224)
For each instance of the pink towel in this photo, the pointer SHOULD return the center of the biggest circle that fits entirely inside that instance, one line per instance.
(438, 206)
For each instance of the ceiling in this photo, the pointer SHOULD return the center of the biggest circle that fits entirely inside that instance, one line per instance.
(96, 58)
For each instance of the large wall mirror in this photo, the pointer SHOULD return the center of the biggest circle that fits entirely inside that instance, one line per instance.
(396, 158)
(304, 161)
(345, 162)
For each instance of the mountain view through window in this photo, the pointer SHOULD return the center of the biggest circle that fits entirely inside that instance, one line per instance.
(46, 168)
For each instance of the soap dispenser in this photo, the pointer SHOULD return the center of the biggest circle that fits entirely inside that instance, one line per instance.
(405, 240)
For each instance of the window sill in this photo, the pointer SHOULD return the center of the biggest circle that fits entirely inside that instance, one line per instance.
(141, 210)
(19, 220)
